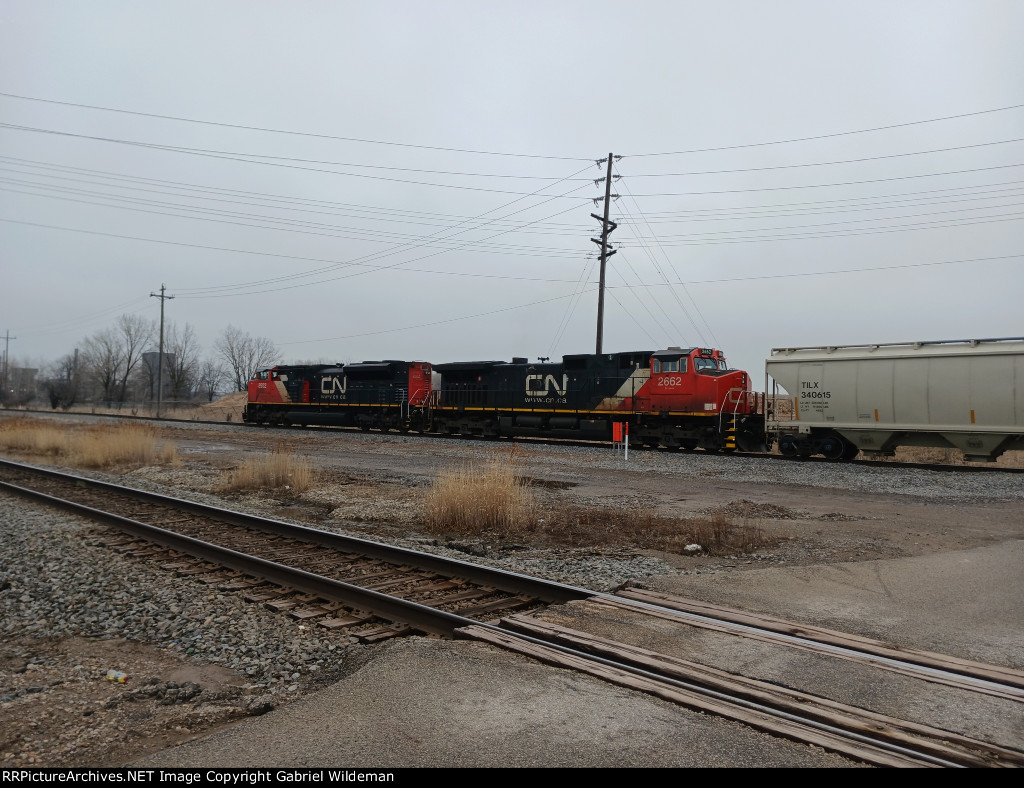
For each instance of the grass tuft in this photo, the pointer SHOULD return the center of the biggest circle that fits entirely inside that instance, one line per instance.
(279, 470)
(471, 499)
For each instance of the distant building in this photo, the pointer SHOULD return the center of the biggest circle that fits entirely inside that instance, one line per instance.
(19, 385)
(152, 362)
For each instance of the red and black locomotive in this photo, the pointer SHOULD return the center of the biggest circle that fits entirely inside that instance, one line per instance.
(678, 397)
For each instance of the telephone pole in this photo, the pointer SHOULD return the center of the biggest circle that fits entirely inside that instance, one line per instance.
(160, 360)
(7, 348)
(606, 251)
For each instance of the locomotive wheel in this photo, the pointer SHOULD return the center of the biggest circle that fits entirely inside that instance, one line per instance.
(689, 445)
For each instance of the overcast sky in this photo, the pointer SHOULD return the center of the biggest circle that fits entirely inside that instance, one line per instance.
(415, 180)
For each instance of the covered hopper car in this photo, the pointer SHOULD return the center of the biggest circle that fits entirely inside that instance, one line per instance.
(963, 394)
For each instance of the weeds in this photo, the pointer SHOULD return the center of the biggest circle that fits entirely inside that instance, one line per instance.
(279, 470)
(716, 534)
(495, 502)
(470, 499)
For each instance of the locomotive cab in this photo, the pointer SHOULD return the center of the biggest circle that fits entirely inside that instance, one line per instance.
(697, 380)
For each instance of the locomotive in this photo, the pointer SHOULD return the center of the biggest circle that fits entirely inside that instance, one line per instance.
(683, 398)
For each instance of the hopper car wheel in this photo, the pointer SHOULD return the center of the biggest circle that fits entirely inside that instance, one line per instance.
(832, 447)
(788, 446)
(689, 445)
(850, 451)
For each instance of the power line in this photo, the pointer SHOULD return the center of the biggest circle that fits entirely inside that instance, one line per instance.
(295, 133)
(241, 158)
(834, 272)
(235, 196)
(829, 185)
(405, 214)
(829, 136)
(333, 264)
(499, 153)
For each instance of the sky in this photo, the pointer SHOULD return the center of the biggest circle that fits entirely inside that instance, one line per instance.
(418, 181)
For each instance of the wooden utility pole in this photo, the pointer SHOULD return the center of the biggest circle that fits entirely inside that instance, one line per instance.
(606, 228)
(160, 360)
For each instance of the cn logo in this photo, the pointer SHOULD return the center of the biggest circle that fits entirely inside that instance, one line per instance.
(333, 385)
(541, 385)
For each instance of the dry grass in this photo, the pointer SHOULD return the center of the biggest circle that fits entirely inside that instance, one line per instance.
(715, 534)
(494, 501)
(226, 408)
(469, 499)
(280, 470)
(101, 446)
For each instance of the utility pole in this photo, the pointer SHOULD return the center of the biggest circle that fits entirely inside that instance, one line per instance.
(7, 348)
(160, 361)
(606, 228)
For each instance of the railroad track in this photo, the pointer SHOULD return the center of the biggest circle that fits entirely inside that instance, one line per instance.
(374, 591)
(540, 441)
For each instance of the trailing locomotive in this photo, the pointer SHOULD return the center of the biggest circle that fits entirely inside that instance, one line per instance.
(678, 397)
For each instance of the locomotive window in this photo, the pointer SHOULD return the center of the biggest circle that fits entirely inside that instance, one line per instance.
(263, 374)
(677, 365)
(704, 363)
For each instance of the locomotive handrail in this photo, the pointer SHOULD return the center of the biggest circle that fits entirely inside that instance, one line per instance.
(739, 396)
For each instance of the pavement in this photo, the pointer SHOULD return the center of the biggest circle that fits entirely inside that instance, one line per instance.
(423, 702)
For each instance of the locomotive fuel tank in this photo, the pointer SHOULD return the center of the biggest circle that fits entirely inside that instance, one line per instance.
(963, 394)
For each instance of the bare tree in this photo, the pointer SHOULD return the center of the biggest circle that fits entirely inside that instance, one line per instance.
(243, 355)
(181, 356)
(61, 382)
(211, 375)
(136, 335)
(102, 361)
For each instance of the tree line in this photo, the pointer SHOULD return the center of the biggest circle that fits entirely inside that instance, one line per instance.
(120, 364)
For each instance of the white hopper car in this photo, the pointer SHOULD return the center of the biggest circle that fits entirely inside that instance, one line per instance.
(963, 394)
